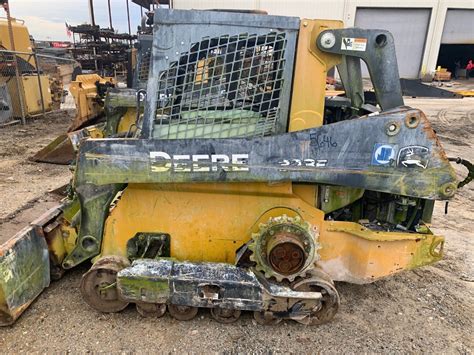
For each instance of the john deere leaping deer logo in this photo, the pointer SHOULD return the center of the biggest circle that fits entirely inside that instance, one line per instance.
(413, 156)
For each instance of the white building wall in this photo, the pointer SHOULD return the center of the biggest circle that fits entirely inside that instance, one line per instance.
(438, 19)
(435, 28)
(346, 10)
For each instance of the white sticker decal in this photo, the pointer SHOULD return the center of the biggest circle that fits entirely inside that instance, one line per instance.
(314, 163)
(353, 44)
(413, 156)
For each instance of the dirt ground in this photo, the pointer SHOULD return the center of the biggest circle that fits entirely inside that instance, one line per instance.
(430, 309)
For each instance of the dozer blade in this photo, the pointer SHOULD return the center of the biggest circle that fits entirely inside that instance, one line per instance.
(59, 151)
(24, 272)
(25, 267)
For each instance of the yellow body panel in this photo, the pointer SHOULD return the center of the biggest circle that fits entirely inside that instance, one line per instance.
(32, 96)
(21, 39)
(127, 121)
(217, 218)
(465, 93)
(84, 91)
(309, 81)
(30, 93)
(209, 222)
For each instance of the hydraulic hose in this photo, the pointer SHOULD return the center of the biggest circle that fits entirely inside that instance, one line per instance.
(470, 168)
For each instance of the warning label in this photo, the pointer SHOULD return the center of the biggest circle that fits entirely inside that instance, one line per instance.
(353, 44)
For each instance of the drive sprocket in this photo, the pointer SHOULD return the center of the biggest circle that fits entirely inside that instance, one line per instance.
(285, 247)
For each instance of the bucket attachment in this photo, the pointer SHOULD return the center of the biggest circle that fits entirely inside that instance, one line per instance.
(24, 272)
(63, 149)
(25, 265)
(59, 151)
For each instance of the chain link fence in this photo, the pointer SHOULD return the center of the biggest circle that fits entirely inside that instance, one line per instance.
(32, 84)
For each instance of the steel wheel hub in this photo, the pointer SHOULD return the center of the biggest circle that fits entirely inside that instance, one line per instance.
(285, 248)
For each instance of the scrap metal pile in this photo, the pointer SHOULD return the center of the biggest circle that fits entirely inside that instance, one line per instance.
(234, 183)
(101, 49)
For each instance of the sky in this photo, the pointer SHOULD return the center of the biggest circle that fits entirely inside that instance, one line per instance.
(46, 19)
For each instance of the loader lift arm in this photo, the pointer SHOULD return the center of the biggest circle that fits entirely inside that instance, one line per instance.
(377, 49)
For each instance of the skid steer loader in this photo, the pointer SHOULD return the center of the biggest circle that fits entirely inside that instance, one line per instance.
(240, 188)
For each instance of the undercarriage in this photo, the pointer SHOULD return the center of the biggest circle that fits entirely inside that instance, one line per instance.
(183, 287)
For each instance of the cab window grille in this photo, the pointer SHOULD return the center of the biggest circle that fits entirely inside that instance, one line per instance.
(227, 86)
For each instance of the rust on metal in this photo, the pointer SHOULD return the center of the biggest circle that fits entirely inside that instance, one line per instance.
(286, 253)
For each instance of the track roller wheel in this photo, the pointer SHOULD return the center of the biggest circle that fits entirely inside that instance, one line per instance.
(319, 282)
(182, 312)
(266, 318)
(99, 285)
(152, 310)
(225, 315)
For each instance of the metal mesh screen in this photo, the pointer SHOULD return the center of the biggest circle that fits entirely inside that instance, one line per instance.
(228, 86)
(144, 67)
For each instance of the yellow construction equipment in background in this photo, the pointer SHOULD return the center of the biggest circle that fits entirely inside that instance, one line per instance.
(21, 38)
(32, 93)
(88, 91)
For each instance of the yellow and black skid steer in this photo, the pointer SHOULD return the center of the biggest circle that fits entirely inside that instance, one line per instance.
(241, 187)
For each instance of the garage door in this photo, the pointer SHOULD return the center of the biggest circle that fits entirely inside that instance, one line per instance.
(458, 27)
(409, 28)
